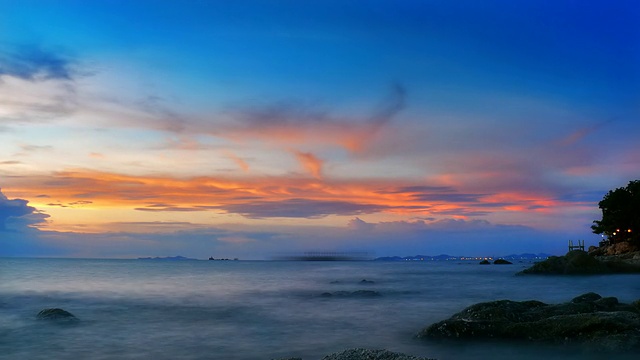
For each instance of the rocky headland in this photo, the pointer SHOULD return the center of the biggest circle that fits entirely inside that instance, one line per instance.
(578, 262)
(599, 324)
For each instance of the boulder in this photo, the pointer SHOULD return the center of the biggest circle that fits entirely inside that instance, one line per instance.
(55, 314)
(600, 323)
(484, 262)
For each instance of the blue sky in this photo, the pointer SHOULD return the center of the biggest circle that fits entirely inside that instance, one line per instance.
(249, 127)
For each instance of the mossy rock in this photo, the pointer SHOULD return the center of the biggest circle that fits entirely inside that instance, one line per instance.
(600, 323)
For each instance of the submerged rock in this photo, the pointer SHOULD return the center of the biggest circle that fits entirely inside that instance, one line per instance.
(589, 319)
(55, 314)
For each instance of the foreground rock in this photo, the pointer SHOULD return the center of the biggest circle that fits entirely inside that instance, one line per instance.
(602, 324)
(579, 262)
(366, 354)
(56, 314)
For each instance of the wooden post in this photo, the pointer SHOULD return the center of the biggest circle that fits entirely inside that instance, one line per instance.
(579, 246)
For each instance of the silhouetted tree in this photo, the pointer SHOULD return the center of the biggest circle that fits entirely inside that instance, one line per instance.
(620, 214)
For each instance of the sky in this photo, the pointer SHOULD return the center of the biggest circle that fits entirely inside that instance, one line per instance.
(255, 128)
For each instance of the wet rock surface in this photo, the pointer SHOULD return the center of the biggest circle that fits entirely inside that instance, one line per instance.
(603, 324)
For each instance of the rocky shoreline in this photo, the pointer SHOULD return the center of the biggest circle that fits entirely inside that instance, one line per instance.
(579, 262)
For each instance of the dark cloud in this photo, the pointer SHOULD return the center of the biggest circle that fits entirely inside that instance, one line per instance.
(173, 207)
(435, 193)
(288, 113)
(34, 63)
(280, 114)
(81, 202)
(13, 209)
(32, 148)
(449, 198)
(167, 207)
(391, 106)
(582, 197)
(417, 189)
(300, 208)
(71, 204)
(461, 212)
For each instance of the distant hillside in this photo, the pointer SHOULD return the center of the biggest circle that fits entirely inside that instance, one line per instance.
(445, 257)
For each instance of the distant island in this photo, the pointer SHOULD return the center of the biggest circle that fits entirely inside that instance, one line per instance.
(168, 258)
(445, 257)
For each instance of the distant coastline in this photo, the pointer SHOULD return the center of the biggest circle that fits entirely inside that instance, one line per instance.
(445, 257)
(334, 256)
(167, 258)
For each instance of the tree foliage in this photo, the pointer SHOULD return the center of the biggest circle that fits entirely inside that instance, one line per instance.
(620, 214)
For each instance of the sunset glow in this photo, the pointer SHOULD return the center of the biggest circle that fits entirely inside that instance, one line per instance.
(247, 128)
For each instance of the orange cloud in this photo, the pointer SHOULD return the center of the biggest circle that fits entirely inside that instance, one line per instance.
(268, 197)
(310, 162)
(239, 161)
(291, 123)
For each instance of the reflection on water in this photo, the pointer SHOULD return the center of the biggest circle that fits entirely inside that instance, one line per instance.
(262, 310)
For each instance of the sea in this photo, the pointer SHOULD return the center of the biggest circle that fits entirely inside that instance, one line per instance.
(152, 309)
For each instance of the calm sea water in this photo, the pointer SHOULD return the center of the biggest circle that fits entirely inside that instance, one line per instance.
(134, 309)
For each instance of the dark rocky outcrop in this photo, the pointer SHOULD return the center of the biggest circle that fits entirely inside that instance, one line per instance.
(578, 262)
(502, 262)
(602, 324)
(56, 314)
(485, 262)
